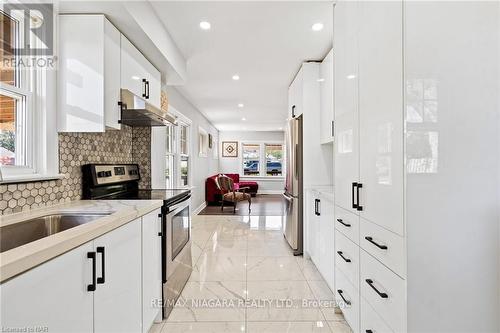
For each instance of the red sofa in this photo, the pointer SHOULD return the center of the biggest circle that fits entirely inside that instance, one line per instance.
(212, 193)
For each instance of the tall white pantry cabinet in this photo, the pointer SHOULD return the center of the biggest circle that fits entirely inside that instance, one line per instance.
(417, 165)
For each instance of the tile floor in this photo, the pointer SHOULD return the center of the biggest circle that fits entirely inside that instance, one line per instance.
(246, 279)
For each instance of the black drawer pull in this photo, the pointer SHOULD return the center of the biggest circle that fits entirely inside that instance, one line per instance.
(369, 331)
(370, 239)
(354, 205)
(343, 223)
(340, 291)
(358, 206)
(100, 249)
(370, 283)
(340, 253)
(91, 287)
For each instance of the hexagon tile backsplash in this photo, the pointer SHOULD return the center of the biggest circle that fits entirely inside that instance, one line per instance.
(130, 145)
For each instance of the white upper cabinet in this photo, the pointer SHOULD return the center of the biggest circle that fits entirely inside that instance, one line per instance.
(118, 298)
(326, 80)
(381, 113)
(138, 75)
(295, 96)
(52, 295)
(346, 103)
(89, 74)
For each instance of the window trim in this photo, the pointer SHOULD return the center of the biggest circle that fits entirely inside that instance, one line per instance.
(184, 121)
(262, 160)
(41, 108)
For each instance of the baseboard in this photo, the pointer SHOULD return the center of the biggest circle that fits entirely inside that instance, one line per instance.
(270, 192)
(200, 208)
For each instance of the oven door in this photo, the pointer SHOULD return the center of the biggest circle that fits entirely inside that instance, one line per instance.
(178, 234)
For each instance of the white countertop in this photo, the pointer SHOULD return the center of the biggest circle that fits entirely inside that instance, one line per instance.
(23, 258)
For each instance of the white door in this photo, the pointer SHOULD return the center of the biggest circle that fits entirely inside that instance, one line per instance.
(112, 78)
(381, 113)
(118, 300)
(346, 103)
(133, 74)
(326, 84)
(52, 295)
(327, 237)
(151, 268)
(312, 228)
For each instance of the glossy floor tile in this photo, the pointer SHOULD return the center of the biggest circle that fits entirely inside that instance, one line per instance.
(246, 279)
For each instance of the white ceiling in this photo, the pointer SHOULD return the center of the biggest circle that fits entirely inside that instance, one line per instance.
(263, 42)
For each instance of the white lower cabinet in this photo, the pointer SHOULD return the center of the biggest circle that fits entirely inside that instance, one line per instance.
(105, 285)
(53, 295)
(117, 300)
(151, 269)
(347, 298)
(384, 291)
(347, 258)
(321, 234)
(370, 321)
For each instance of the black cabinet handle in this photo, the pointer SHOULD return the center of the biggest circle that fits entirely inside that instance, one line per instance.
(144, 93)
(91, 287)
(370, 283)
(343, 223)
(318, 205)
(358, 206)
(340, 253)
(369, 331)
(100, 249)
(370, 239)
(293, 111)
(161, 222)
(333, 129)
(147, 91)
(340, 291)
(354, 205)
(315, 206)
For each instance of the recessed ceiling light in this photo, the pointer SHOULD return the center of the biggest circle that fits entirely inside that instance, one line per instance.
(240, 105)
(351, 76)
(317, 26)
(243, 119)
(205, 25)
(321, 80)
(281, 128)
(236, 77)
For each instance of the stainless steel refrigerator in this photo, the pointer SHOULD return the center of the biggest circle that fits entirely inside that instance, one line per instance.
(293, 224)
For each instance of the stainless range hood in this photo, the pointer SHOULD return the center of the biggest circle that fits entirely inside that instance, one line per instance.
(137, 112)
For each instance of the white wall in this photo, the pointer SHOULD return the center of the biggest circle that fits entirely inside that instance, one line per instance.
(201, 167)
(232, 164)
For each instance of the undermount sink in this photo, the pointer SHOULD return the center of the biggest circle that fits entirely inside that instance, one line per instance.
(28, 231)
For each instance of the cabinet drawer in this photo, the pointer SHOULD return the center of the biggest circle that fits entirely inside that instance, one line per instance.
(347, 257)
(347, 297)
(371, 321)
(384, 291)
(384, 245)
(347, 223)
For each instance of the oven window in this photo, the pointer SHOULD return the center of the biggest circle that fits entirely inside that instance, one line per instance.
(180, 231)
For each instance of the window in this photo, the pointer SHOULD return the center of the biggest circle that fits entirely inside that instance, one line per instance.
(15, 92)
(28, 137)
(274, 159)
(184, 155)
(262, 159)
(251, 159)
(170, 157)
(202, 142)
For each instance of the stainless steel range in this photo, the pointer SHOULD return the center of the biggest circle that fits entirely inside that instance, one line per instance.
(108, 182)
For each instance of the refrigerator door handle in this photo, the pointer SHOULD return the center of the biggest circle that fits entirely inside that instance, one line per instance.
(287, 197)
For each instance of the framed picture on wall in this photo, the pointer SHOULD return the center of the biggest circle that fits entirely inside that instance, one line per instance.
(210, 143)
(229, 148)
